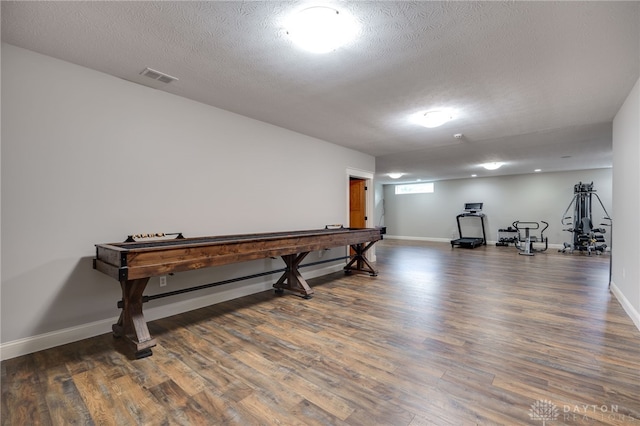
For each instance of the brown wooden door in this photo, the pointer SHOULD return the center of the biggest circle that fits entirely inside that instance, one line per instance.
(357, 203)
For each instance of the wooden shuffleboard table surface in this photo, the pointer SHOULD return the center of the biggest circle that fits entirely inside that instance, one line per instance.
(133, 263)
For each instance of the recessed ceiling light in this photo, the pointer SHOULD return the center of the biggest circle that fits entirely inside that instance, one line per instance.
(474, 175)
(321, 29)
(395, 175)
(492, 166)
(537, 170)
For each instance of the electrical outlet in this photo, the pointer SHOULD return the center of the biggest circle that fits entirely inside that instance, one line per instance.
(163, 281)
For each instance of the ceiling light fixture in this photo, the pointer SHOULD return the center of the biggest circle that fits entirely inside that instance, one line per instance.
(537, 170)
(395, 175)
(492, 166)
(321, 29)
(432, 119)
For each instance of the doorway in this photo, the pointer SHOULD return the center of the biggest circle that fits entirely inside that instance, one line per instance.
(357, 203)
(360, 202)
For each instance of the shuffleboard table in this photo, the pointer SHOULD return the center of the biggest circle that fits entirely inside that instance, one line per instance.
(133, 263)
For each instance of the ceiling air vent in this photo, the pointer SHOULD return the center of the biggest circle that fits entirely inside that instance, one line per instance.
(157, 75)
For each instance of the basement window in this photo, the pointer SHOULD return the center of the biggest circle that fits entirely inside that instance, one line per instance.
(414, 188)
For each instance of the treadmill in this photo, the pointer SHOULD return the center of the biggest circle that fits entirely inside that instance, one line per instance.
(471, 210)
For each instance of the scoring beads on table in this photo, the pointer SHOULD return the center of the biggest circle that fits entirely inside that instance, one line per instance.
(134, 237)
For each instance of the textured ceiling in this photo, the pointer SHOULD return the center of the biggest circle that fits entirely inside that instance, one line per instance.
(533, 84)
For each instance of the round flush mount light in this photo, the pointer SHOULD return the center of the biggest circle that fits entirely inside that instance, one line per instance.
(321, 29)
(395, 175)
(432, 119)
(492, 166)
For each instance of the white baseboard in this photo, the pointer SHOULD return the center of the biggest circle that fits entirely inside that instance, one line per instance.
(44, 341)
(40, 342)
(626, 305)
(403, 237)
(448, 240)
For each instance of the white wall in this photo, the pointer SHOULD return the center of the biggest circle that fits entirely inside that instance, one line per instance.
(88, 158)
(532, 197)
(626, 201)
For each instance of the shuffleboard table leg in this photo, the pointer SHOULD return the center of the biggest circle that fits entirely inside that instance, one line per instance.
(360, 260)
(291, 279)
(131, 325)
(143, 353)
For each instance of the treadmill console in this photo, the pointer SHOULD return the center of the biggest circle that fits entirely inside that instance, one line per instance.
(473, 208)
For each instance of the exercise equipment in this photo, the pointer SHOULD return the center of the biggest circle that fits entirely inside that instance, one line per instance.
(473, 210)
(585, 236)
(507, 236)
(525, 242)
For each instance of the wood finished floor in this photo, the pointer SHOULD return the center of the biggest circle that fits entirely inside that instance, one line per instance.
(441, 337)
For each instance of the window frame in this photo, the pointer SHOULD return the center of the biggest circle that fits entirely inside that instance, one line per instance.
(414, 188)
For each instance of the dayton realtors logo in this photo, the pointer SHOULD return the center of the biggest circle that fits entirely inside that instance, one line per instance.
(546, 411)
(589, 412)
(543, 410)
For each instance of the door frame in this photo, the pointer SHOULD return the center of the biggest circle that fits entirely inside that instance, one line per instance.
(367, 176)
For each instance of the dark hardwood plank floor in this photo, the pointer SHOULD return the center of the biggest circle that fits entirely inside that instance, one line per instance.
(441, 337)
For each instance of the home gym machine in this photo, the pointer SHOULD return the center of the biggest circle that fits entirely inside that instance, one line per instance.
(525, 242)
(473, 210)
(585, 236)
